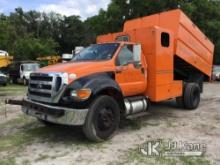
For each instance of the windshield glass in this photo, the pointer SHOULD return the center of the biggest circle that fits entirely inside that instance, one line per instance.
(30, 67)
(97, 52)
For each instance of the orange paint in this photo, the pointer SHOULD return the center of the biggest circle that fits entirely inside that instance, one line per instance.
(186, 41)
(155, 77)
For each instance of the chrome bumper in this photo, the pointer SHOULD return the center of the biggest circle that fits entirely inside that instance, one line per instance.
(53, 114)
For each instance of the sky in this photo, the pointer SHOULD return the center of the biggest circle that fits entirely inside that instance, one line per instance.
(83, 8)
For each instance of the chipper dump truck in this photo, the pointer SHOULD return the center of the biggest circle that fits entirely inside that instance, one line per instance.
(154, 58)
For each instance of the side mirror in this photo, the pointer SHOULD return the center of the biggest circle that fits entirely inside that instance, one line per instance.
(22, 67)
(137, 55)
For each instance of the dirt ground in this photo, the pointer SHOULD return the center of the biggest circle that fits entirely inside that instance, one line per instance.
(23, 140)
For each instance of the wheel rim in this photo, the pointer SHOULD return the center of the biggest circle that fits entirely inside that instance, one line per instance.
(105, 119)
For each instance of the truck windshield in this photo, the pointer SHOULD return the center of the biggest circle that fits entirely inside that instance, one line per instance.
(97, 52)
(30, 67)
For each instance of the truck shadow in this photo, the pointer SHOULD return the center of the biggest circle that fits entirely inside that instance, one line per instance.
(57, 134)
(69, 135)
(165, 112)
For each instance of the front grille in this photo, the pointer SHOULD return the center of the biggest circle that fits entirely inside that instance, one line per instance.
(43, 87)
(39, 94)
(42, 78)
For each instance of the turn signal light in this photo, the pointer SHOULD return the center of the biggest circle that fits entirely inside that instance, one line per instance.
(82, 94)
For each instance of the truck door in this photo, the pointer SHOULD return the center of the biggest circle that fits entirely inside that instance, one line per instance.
(130, 72)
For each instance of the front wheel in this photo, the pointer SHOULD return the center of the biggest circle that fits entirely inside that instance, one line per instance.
(102, 120)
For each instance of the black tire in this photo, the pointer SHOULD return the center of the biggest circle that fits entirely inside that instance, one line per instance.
(102, 119)
(180, 102)
(191, 96)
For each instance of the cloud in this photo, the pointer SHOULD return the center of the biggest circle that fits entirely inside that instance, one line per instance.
(83, 8)
(2, 4)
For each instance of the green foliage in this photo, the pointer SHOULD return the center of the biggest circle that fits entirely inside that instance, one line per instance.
(72, 33)
(31, 48)
(30, 34)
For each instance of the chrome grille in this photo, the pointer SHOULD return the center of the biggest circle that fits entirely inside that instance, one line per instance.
(45, 87)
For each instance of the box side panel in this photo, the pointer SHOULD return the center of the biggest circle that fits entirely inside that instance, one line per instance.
(190, 44)
(104, 38)
(193, 46)
(143, 22)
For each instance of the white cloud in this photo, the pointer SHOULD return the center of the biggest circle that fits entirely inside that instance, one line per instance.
(83, 8)
(2, 4)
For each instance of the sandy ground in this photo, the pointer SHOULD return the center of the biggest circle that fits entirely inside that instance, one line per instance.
(60, 145)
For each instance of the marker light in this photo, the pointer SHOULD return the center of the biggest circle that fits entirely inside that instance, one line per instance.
(81, 94)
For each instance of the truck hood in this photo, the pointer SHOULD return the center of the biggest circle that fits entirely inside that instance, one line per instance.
(79, 68)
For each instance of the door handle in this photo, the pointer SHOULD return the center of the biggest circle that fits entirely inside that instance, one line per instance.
(119, 70)
(142, 70)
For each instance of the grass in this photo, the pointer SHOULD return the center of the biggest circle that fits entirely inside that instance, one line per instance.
(18, 133)
(137, 124)
(12, 90)
(51, 136)
(30, 129)
(8, 161)
(194, 161)
(20, 120)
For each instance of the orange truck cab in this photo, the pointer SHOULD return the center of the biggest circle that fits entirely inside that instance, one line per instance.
(154, 58)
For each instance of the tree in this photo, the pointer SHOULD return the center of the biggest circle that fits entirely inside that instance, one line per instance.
(29, 48)
(204, 13)
(72, 33)
(8, 35)
(64, 33)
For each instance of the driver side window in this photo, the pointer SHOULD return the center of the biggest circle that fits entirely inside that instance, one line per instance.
(125, 55)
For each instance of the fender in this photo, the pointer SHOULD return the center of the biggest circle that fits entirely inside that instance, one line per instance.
(100, 84)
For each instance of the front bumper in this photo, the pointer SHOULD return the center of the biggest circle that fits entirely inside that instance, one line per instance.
(53, 114)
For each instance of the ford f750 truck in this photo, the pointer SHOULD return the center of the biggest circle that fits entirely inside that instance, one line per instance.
(154, 58)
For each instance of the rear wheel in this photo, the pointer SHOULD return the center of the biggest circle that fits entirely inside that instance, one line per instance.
(102, 120)
(191, 96)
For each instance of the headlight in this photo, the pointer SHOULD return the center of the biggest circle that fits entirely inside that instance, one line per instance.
(81, 94)
(66, 77)
(72, 76)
